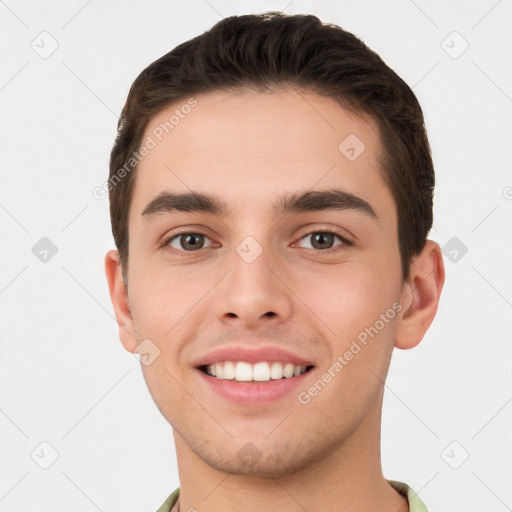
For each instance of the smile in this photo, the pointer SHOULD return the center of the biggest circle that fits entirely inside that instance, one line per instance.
(263, 371)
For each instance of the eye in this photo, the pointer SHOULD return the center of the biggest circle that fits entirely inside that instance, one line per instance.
(187, 242)
(323, 240)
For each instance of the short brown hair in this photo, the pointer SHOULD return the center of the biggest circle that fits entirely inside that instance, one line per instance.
(264, 51)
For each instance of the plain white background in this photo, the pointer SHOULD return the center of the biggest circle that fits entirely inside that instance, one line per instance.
(65, 378)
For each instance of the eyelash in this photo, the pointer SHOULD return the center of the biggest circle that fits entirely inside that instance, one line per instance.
(343, 239)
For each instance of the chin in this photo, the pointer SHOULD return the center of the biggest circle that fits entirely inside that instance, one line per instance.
(268, 462)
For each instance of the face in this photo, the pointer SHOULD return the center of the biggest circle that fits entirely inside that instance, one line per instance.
(258, 275)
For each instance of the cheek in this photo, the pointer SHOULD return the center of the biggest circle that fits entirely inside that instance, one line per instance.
(360, 321)
(164, 384)
(162, 298)
(349, 297)
(357, 308)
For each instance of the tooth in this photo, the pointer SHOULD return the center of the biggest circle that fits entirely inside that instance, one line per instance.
(243, 372)
(261, 372)
(288, 370)
(276, 371)
(229, 370)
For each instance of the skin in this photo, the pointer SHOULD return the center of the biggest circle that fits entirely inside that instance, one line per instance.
(250, 148)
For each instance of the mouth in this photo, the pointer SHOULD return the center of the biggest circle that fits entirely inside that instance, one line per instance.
(263, 371)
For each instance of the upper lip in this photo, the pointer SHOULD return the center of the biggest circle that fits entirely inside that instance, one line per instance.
(251, 355)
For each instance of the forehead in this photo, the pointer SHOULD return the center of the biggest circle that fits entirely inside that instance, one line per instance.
(249, 147)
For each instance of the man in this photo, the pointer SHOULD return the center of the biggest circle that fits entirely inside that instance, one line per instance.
(271, 195)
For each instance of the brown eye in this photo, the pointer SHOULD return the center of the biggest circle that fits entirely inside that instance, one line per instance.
(322, 240)
(325, 241)
(187, 241)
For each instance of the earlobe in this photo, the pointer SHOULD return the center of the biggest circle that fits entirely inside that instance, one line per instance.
(420, 296)
(119, 298)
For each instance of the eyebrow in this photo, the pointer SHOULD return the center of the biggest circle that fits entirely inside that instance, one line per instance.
(296, 202)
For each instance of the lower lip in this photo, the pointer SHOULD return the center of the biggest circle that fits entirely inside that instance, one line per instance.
(253, 393)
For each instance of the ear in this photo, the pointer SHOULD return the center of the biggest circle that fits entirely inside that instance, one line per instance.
(420, 296)
(119, 297)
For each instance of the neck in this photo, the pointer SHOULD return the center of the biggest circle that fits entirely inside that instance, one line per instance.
(349, 477)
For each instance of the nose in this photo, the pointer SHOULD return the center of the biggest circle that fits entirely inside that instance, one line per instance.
(254, 292)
